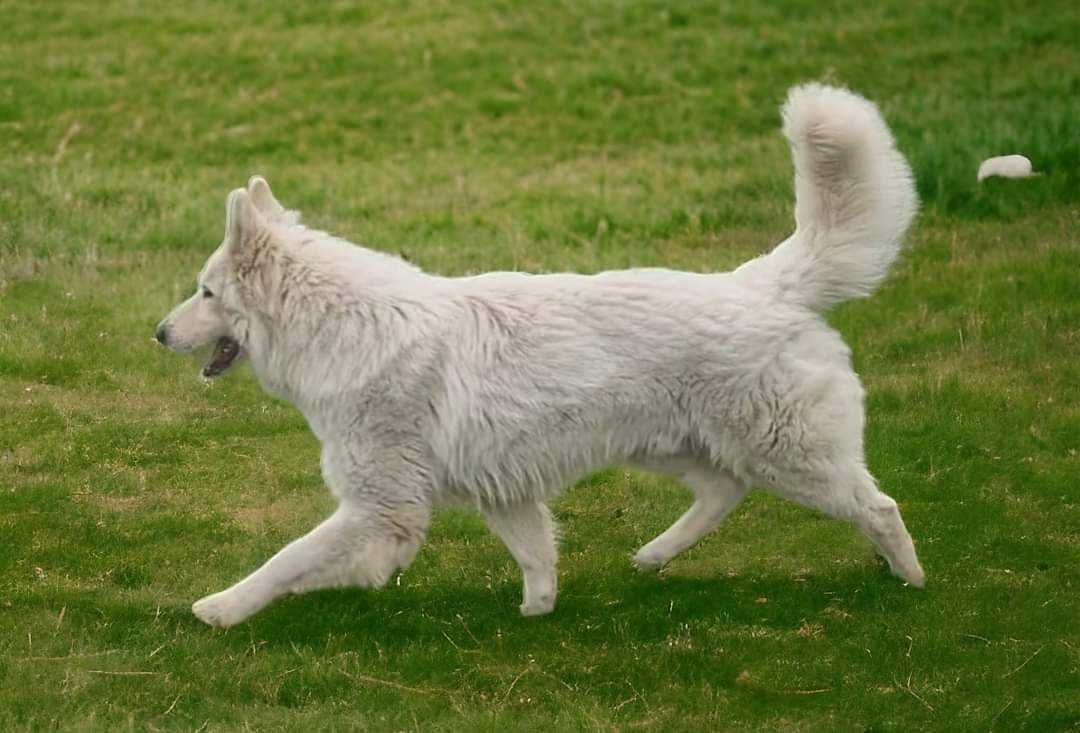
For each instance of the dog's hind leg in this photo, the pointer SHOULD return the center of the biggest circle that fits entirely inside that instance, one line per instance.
(356, 546)
(878, 517)
(716, 493)
(851, 493)
(528, 531)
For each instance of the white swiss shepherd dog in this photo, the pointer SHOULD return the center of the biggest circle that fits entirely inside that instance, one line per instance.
(496, 391)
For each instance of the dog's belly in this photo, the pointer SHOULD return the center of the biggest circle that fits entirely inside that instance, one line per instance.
(533, 447)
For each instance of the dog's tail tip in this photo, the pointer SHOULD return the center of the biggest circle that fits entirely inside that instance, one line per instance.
(816, 113)
(854, 197)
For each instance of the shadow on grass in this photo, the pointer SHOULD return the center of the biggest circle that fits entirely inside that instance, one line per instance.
(466, 639)
(643, 608)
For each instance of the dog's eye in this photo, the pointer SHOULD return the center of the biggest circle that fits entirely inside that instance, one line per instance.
(206, 293)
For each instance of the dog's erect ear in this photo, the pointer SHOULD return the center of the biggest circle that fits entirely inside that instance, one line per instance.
(240, 215)
(250, 245)
(243, 222)
(263, 198)
(268, 206)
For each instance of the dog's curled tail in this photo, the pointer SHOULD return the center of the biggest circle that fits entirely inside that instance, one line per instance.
(854, 199)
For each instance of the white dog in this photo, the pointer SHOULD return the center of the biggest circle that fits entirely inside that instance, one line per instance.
(499, 390)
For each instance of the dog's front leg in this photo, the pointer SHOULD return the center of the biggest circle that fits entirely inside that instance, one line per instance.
(528, 531)
(356, 546)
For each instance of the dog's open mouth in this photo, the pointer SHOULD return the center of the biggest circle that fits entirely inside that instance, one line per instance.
(225, 353)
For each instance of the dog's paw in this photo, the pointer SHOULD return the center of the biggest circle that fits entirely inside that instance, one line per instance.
(648, 562)
(220, 610)
(910, 572)
(538, 606)
(914, 576)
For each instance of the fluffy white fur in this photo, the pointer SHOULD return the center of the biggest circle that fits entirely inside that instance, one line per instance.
(499, 390)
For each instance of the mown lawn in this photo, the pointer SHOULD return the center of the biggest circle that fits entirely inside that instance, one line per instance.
(537, 136)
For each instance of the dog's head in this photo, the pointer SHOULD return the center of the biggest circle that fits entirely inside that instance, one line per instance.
(234, 275)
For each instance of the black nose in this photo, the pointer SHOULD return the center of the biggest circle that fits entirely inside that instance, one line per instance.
(162, 335)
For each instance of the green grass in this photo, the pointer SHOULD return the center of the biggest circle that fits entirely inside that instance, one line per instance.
(536, 136)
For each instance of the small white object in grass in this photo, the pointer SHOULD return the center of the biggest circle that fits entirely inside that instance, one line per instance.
(1008, 166)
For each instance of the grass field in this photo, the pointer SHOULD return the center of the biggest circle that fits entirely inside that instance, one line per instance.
(543, 137)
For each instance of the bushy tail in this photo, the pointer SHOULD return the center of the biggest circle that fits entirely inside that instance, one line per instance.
(854, 199)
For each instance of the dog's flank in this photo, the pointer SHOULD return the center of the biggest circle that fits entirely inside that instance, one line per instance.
(499, 390)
